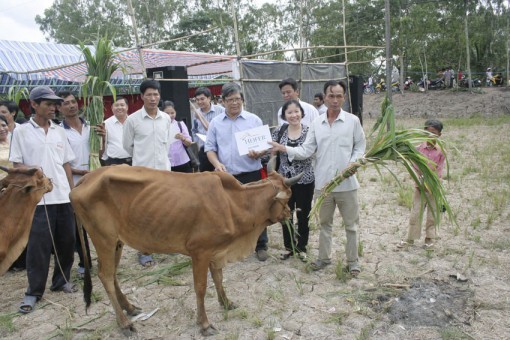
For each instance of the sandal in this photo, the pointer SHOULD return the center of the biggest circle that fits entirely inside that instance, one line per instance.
(68, 288)
(354, 270)
(404, 244)
(302, 256)
(285, 256)
(318, 265)
(28, 304)
(145, 260)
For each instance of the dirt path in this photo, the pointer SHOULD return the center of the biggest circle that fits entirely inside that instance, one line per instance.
(410, 294)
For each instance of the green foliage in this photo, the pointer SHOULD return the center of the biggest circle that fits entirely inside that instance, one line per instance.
(428, 34)
(16, 93)
(100, 67)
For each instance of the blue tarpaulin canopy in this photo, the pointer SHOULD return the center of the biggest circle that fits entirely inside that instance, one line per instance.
(28, 64)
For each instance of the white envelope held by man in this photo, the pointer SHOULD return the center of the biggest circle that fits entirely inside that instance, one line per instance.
(255, 139)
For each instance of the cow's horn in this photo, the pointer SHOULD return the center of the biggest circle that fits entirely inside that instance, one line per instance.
(271, 165)
(4, 168)
(291, 181)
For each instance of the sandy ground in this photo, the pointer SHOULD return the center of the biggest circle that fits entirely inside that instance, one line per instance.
(413, 294)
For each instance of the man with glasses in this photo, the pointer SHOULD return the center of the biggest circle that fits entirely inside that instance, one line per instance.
(221, 147)
(338, 140)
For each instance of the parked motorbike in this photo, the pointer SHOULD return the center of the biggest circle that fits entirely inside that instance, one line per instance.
(408, 83)
(366, 88)
(475, 82)
(381, 86)
(496, 80)
(436, 84)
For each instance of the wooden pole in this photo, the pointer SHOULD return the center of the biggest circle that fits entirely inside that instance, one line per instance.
(135, 29)
(388, 50)
(238, 46)
(346, 58)
(466, 32)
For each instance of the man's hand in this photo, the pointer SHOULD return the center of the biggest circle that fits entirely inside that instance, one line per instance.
(100, 130)
(220, 167)
(255, 154)
(352, 168)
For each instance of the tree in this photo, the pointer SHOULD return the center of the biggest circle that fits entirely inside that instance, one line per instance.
(72, 22)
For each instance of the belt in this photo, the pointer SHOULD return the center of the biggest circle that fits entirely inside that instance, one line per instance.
(246, 173)
(129, 159)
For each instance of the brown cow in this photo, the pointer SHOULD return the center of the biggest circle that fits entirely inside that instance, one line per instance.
(20, 191)
(208, 216)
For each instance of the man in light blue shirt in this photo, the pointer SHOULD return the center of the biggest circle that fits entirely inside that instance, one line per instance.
(337, 139)
(221, 146)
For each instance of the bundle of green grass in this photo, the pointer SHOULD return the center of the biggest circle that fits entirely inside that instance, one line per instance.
(388, 145)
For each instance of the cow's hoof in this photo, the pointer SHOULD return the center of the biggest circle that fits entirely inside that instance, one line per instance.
(230, 306)
(129, 331)
(210, 330)
(134, 311)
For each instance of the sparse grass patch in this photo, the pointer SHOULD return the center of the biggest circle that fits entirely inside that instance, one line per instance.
(405, 197)
(6, 324)
(238, 313)
(340, 272)
(299, 284)
(476, 120)
(337, 318)
(364, 334)
(452, 333)
(275, 295)
(499, 244)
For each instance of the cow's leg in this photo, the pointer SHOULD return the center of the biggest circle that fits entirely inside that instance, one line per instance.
(217, 276)
(123, 301)
(106, 254)
(200, 283)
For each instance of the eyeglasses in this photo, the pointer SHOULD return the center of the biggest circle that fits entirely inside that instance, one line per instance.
(234, 100)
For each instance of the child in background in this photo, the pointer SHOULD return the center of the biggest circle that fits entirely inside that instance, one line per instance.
(437, 159)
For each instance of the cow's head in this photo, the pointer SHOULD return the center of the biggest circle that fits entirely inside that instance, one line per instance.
(21, 182)
(280, 210)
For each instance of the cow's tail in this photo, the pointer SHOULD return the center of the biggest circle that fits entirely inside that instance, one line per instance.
(87, 281)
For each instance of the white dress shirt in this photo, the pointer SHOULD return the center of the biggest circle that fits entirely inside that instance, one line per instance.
(80, 145)
(113, 141)
(335, 145)
(146, 139)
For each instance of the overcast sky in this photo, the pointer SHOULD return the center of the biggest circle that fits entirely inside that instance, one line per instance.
(17, 19)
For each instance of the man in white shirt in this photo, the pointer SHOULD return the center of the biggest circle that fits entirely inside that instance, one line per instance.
(338, 140)
(42, 143)
(113, 151)
(290, 90)
(318, 102)
(146, 137)
(146, 131)
(78, 134)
